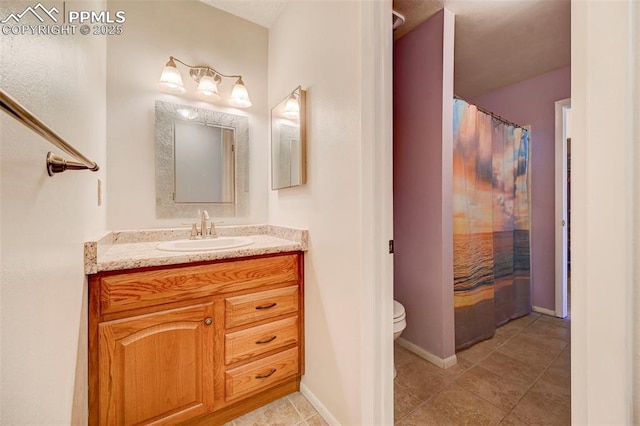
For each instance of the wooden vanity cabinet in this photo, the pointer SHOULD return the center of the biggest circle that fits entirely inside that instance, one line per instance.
(194, 344)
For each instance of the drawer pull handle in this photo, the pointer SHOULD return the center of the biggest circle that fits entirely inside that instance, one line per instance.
(267, 340)
(269, 306)
(264, 376)
(208, 321)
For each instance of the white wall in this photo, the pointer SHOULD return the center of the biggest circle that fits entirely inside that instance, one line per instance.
(328, 48)
(636, 236)
(45, 220)
(198, 34)
(605, 105)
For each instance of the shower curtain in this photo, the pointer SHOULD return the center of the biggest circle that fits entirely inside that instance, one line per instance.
(490, 223)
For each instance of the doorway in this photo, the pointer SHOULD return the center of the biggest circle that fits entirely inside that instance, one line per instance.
(562, 205)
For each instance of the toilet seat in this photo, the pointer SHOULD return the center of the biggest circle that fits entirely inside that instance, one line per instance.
(398, 311)
(399, 324)
(399, 317)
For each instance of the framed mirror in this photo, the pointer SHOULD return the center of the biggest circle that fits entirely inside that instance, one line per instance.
(201, 161)
(288, 141)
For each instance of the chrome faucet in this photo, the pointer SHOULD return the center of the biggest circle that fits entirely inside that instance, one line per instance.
(204, 223)
(207, 228)
(212, 231)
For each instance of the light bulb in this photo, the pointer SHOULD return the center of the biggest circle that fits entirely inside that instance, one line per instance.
(292, 107)
(208, 88)
(239, 95)
(187, 114)
(171, 80)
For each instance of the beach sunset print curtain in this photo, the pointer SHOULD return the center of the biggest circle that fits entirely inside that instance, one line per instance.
(490, 223)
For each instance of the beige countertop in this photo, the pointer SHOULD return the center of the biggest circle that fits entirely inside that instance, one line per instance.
(121, 250)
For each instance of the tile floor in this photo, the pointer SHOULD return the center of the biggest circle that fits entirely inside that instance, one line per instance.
(519, 377)
(290, 410)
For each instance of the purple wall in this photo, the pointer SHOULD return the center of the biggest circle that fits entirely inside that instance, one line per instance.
(423, 213)
(533, 102)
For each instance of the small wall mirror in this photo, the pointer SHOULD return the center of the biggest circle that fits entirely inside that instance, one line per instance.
(288, 141)
(201, 159)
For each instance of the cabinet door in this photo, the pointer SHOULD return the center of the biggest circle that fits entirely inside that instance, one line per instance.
(157, 368)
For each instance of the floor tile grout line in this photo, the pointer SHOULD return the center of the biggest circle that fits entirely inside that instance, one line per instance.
(423, 402)
(543, 371)
(536, 379)
(475, 363)
(496, 350)
(490, 402)
(410, 412)
(429, 398)
(511, 412)
(487, 401)
(298, 411)
(490, 353)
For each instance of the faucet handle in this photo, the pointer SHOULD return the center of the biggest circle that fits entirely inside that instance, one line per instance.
(194, 231)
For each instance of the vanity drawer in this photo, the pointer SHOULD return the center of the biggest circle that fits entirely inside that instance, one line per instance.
(258, 340)
(262, 305)
(261, 373)
(132, 290)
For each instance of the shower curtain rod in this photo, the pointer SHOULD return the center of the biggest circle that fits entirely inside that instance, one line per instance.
(494, 115)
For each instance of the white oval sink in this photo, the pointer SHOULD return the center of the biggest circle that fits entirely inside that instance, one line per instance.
(220, 243)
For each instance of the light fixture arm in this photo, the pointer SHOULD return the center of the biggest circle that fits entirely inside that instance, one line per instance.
(207, 78)
(201, 69)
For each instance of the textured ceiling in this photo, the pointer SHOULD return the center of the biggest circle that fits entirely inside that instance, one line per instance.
(499, 42)
(261, 12)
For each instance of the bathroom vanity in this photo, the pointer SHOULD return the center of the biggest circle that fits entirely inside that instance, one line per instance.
(195, 342)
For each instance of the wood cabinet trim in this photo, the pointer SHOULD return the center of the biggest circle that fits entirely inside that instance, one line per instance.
(118, 338)
(221, 406)
(260, 340)
(123, 292)
(260, 374)
(261, 305)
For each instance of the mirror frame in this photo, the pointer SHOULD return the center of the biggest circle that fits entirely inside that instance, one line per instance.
(166, 113)
(302, 137)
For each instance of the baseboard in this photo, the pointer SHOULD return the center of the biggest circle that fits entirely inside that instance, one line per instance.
(436, 360)
(450, 362)
(319, 406)
(543, 311)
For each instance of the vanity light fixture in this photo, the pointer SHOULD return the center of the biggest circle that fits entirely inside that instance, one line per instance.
(292, 106)
(207, 78)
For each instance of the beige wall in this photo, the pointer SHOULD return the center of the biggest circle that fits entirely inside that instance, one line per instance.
(604, 220)
(197, 34)
(324, 46)
(636, 215)
(45, 220)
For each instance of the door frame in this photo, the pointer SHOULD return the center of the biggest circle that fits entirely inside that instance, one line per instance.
(561, 216)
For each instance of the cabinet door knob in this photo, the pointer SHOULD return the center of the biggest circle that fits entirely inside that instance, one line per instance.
(267, 306)
(208, 321)
(264, 376)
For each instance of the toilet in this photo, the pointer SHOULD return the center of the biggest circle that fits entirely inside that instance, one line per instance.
(399, 324)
